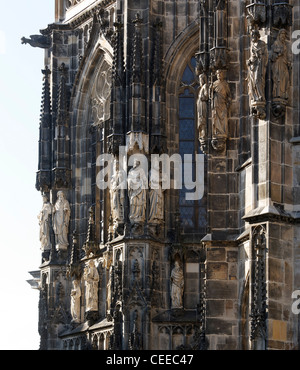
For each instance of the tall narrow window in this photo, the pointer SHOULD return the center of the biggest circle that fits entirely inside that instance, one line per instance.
(192, 212)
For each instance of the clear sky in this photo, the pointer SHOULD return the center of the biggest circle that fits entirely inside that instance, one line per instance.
(20, 101)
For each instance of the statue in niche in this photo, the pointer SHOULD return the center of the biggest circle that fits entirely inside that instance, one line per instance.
(137, 185)
(118, 184)
(75, 301)
(109, 289)
(91, 277)
(61, 220)
(202, 106)
(156, 210)
(44, 222)
(281, 65)
(257, 66)
(221, 100)
(177, 286)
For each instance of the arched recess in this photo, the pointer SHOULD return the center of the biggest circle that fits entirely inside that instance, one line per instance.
(89, 116)
(179, 57)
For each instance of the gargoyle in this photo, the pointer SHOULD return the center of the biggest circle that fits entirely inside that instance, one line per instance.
(37, 41)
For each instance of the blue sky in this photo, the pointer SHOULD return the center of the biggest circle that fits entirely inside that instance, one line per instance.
(20, 101)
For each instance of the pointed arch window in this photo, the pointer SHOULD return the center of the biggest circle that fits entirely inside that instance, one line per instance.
(193, 213)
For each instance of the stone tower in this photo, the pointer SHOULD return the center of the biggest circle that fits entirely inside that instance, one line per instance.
(169, 169)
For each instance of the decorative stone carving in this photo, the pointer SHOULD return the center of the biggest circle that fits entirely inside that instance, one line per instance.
(91, 277)
(220, 101)
(61, 220)
(138, 140)
(258, 310)
(257, 15)
(117, 194)
(109, 290)
(37, 41)
(219, 54)
(71, 3)
(177, 286)
(257, 66)
(75, 301)
(282, 14)
(202, 108)
(135, 340)
(137, 185)
(101, 97)
(203, 54)
(156, 198)
(44, 222)
(281, 65)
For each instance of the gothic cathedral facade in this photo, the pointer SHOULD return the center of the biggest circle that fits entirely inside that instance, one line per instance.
(170, 175)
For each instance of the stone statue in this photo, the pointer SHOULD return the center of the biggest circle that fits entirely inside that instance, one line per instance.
(75, 301)
(281, 64)
(118, 184)
(221, 100)
(108, 289)
(44, 220)
(202, 106)
(91, 277)
(61, 220)
(137, 185)
(177, 285)
(156, 209)
(257, 66)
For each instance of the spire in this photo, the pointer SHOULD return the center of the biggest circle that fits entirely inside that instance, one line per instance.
(137, 81)
(90, 246)
(137, 75)
(43, 182)
(62, 97)
(157, 126)
(61, 140)
(116, 137)
(74, 269)
(45, 120)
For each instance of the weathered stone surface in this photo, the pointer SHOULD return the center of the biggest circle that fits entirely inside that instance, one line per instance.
(128, 78)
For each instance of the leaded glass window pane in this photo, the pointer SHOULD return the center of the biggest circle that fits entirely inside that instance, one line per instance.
(193, 214)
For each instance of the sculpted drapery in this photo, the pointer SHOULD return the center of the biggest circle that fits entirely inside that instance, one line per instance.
(75, 301)
(281, 64)
(202, 106)
(44, 222)
(257, 65)
(137, 187)
(156, 209)
(61, 220)
(91, 277)
(221, 99)
(177, 285)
